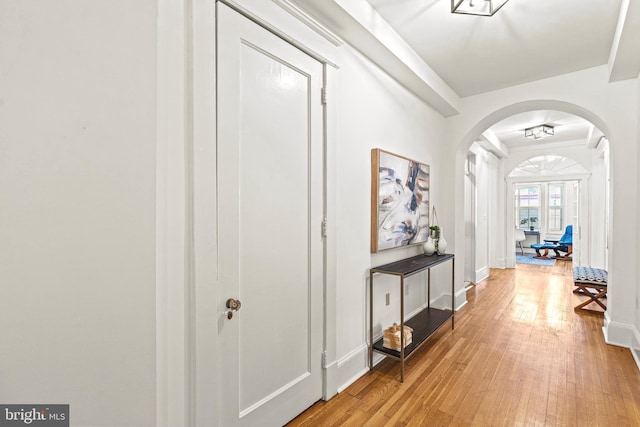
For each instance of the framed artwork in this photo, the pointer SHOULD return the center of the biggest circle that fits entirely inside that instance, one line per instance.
(399, 201)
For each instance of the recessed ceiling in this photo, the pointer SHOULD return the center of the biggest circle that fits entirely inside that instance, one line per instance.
(524, 41)
(567, 128)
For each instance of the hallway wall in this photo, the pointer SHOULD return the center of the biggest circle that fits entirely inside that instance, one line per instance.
(374, 111)
(78, 195)
(77, 207)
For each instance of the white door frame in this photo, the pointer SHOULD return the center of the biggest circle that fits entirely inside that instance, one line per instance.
(187, 305)
(185, 214)
(470, 218)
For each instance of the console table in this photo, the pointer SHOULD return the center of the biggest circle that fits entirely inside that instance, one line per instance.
(427, 321)
(530, 240)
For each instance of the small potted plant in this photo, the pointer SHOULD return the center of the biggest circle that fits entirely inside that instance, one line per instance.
(436, 243)
(435, 232)
(531, 221)
(435, 235)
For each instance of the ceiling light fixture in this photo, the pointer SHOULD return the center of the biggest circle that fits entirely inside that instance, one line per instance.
(477, 7)
(539, 132)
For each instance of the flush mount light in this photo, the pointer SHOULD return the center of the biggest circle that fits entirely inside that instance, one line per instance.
(539, 132)
(477, 7)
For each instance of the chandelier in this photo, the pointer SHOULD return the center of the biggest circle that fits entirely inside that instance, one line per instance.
(477, 7)
(539, 132)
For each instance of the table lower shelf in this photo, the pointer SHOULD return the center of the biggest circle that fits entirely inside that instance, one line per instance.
(424, 324)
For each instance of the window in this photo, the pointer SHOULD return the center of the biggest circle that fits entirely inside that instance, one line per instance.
(554, 207)
(527, 204)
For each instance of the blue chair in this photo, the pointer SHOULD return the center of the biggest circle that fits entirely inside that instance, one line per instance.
(565, 244)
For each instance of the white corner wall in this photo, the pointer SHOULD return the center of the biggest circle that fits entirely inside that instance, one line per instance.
(77, 207)
(482, 235)
(635, 341)
(489, 214)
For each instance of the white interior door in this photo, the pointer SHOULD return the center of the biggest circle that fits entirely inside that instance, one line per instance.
(270, 210)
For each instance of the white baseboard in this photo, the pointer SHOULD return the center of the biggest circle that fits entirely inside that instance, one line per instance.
(461, 298)
(636, 357)
(510, 262)
(635, 347)
(615, 333)
(482, 274)
(622, 335)
(459, 306)
(331, 381)
(443, 301)
(353, 366)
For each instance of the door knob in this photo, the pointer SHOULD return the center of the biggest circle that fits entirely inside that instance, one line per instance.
(232, 305)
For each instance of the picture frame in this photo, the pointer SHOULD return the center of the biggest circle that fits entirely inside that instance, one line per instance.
(400, 201)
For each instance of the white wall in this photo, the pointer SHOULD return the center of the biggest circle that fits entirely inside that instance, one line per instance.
(598, 208)
(374, 111)
(77, 207)
(635, 341)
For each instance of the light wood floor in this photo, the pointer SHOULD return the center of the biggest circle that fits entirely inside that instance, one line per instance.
(519, 356)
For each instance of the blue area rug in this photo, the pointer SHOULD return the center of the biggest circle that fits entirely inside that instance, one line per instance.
(529, 259)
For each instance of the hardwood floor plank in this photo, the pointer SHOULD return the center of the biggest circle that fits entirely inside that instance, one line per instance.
(520, 355)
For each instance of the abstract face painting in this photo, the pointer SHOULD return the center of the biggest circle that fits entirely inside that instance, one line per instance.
(399, 201)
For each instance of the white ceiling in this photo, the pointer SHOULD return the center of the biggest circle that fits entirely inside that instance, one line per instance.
(443, 57)
(567, 128)
(524, 41)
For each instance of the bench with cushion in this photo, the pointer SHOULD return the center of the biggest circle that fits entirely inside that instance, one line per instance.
(591, 282)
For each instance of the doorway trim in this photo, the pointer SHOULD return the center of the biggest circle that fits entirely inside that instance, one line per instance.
(470, 202)
(583, 182)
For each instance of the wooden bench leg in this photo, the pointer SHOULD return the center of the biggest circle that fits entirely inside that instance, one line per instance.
(592, 298)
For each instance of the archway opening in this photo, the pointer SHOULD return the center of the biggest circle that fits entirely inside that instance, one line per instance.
(573, 165)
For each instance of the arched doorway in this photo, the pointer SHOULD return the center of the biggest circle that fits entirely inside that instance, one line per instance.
(503, 211)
